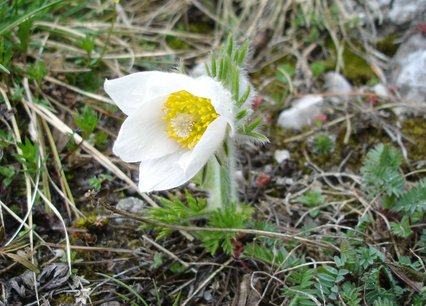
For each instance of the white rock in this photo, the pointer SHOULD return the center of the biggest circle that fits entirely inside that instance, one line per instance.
(409, 69)
(380, 90)
(284, 181)
(383, 2)
(130, 204)
(336, 83)
(404, 11)
(281, 155)
(302, 113)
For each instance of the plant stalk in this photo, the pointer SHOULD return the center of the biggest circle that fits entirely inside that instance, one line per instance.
(219, 177)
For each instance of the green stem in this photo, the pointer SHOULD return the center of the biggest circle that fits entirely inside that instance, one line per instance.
(220, 178)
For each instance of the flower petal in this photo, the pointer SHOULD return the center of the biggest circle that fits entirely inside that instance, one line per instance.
(192, 161)
(176, 169)
(142, 135)
(133, 90)
(161, 174)
(220, 97)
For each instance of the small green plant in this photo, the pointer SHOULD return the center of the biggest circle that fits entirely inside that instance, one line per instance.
(381, 173)
(5, 55)
(382, 176)
(285, 73)
(323, 144)
(8, 172)
(86, 121)
(38, 71)
(23, 33)
(97, 181)
(413, 200)
(312, 199)
(401, 229)
(177, 212)
(88, 45)
(29, 155)
(317, 68)
(229, 217)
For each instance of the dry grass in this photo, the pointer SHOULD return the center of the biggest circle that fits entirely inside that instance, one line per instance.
(48, 207)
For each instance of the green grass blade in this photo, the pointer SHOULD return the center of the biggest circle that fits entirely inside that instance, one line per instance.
(3, 68)
(119, 282)
(27, 16)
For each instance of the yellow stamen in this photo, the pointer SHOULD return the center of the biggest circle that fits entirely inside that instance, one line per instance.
(187, 117)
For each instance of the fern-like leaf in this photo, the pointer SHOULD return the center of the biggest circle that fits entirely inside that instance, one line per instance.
(177, 212)
(414, 200)
(229, 217)
(381, 171)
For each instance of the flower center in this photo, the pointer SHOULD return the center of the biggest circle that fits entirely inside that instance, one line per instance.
(187, 117)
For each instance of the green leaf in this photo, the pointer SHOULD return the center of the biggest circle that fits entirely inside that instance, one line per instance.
(245, 96)
(243, 53)
(235, 83)
(312, 198)
(4, 69)
(242, 114)
(88, 44)
(124, 285)
(229, 217)
(230, 45)
(414, 200)
(260, 137)
(285, 72)
(381, 171)
(401, 229)
(29, 154)
(317, 68)
(87, 121)
(213, 65)
(208, 70)
(8, 173)
(38, 71)
(27, 16)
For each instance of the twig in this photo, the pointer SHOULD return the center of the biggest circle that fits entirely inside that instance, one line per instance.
(207, 280)
(170, 254)
(215, 229)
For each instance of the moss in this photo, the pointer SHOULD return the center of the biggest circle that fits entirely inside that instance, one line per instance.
(176, 43)
(276, 90)
(180, 44)
(388, 44)
(363, 136)
(356, 69)
(64, 299)
(415, 130)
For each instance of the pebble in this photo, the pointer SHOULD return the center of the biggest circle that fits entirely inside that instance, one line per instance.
(337, 84)
(409, 70)
(302, 113)
(281, 155)
(405, 11)
(130, 204)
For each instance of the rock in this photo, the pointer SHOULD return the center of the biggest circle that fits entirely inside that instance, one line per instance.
(384, 2)
(380, 90)
(111, 303)
(405, 11)
(409, 69)
(130, 204)
(337, 83)
(281, 155)
(302, 113)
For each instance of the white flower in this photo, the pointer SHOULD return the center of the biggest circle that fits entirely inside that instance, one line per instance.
(175, 124)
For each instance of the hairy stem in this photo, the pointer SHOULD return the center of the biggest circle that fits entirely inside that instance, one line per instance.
(219, 177)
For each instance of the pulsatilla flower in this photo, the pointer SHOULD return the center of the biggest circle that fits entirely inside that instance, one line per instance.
(175, 124)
